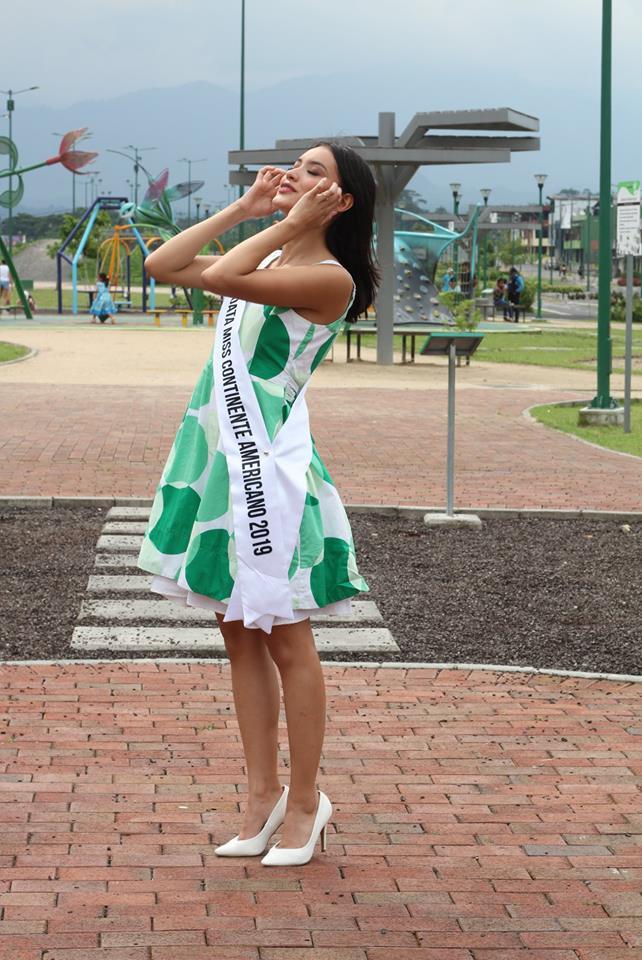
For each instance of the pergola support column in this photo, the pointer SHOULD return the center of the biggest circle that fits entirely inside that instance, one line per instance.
(385, 216)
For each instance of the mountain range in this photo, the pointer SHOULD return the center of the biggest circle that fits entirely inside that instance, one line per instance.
(201, 120)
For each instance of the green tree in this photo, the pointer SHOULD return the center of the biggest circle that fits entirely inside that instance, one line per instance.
(510, 253)
(102, 226)
(412, 201)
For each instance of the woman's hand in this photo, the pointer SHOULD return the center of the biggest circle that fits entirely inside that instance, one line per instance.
(317, 207)
(258, 201)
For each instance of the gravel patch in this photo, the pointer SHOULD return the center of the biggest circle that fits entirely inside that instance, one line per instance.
(545, 593)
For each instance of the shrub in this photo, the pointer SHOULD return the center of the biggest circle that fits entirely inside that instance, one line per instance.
(618, 308)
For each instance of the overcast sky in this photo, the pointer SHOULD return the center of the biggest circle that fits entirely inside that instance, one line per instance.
(539, 57)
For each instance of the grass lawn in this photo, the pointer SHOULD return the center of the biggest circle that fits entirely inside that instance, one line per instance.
(573, 349)
(11, 351)
(47, 300)
(565, 418)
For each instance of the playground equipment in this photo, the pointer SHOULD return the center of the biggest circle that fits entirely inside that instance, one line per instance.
(114, 259)
(71, 159)
(87, 221)
(416, 255)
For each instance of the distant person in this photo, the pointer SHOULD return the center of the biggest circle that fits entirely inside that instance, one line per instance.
(31, 302)
(102, 306)
(445, 282)
(500, 300)
(515, 288)
(5, 284)
(453, 286)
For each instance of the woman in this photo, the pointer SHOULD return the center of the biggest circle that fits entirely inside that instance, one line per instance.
(246, 521)
(102, 306)
(499, 298)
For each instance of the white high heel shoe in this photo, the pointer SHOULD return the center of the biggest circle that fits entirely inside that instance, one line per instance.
(253, 846)
(295, 856)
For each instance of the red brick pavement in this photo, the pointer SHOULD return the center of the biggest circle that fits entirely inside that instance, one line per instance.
(477, 816)
(381, 446)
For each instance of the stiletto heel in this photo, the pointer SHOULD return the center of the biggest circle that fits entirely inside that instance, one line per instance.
(253, 846)
(296, 856)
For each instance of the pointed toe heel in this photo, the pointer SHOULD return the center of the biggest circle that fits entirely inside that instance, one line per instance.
(254, 846)
(278, 856)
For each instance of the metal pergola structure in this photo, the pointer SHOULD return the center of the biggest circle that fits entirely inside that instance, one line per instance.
(426, 141)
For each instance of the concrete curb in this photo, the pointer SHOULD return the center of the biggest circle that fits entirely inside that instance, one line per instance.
(31, 353)
(572, 403)
(361, 664)
(384, 511)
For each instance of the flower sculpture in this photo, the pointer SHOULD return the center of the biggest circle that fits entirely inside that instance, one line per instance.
(155, 211)
(71, 159)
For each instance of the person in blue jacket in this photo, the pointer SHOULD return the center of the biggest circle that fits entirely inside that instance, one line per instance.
(515, 287)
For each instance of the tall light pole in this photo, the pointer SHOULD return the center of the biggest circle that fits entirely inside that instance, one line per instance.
(550, 237)
(189, 161)
(587, 265)
(485, 192)
(11, 105)
(540, 180)
(603, 399)
(242, 108)
(456, 188)
(136, 162)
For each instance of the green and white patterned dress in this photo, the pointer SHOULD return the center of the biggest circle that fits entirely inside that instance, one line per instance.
(189, 542)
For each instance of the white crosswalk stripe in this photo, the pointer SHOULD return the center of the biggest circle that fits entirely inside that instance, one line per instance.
(112, 617)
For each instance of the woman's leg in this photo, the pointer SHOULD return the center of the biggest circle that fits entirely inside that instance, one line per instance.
(292, 649)
(257, 698)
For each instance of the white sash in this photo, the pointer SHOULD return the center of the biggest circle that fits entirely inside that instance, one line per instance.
(267, 480)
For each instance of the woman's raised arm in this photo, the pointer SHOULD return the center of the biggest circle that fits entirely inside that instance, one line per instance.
(177, 260)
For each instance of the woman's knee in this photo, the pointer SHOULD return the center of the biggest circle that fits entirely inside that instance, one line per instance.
(239, 641)
(291, 644)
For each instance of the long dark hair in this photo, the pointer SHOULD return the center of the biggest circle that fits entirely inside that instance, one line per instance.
(349, 236)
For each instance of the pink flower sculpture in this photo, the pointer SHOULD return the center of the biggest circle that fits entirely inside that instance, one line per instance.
(72, 159)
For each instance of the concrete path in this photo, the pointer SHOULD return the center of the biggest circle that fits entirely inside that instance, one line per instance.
(476, 816)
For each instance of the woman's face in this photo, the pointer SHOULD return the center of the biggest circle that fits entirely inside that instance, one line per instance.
(305, 173)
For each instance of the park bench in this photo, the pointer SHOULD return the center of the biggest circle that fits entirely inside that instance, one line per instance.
(407, 331)
(14, 308)
(184, 315)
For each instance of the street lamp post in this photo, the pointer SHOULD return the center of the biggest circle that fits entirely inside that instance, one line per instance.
(136, 162)
(11, 105)
(456, 188)
(587, 265)
(550, 238)
(540, 179)
(198, 201)
(189, 161)
(485, 192)
(602, 399)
